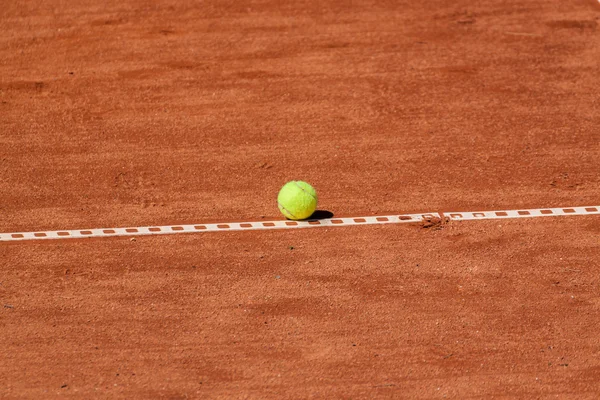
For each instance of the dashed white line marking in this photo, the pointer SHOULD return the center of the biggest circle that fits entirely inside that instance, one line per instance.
(268, 225)
(525, 213)
(220, 227)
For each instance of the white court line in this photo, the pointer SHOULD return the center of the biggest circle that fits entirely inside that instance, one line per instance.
(525, 213)
(225, 226)
(267, 225)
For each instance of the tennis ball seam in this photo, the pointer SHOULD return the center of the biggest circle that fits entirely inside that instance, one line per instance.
(286, 210)
(301, 188)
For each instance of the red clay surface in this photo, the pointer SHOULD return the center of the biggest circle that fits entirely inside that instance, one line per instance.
(128, 113)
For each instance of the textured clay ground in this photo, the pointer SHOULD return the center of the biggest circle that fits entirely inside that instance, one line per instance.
(126, 113)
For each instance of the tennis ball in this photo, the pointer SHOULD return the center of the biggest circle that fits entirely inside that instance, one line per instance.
(297, 200)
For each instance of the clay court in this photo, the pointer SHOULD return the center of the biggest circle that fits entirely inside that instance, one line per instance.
(173, 113)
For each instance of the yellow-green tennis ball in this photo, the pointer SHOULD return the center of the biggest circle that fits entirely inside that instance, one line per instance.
(297, 200)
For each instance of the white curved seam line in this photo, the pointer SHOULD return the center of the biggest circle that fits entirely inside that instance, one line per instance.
(288, 211)
(301, 188)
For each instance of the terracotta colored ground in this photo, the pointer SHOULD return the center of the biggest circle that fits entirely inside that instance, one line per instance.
(128, 114)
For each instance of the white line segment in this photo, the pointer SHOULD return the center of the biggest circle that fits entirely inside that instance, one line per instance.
(285, 224)
(527, 213)
(225, 226)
